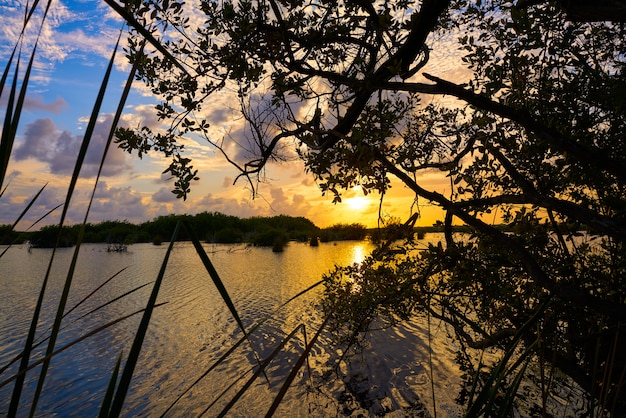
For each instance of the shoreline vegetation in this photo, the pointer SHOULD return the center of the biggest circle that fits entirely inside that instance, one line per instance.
(213, 227)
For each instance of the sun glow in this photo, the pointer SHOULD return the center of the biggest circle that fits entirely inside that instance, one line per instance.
(357, 203)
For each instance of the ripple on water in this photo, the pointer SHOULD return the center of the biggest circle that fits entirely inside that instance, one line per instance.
(195, 327)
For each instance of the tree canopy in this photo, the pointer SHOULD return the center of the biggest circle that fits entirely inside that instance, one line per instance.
(531, 135)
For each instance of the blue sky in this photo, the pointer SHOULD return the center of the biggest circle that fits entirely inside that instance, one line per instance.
(74, 49)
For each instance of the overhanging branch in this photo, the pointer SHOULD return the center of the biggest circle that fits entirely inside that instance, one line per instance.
(521, 116)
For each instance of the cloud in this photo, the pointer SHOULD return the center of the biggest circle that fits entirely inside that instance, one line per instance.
(118, 203)
(228, 182)
(44, 141)
(241, 207)
(164, 195)
(288, 204)
(35, 103)
(240, 203)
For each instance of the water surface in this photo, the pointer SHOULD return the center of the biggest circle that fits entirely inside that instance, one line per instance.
(193, 328)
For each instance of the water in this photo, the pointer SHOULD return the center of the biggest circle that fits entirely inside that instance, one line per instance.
(194, 327)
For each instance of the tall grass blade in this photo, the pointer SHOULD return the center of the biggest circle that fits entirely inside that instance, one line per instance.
(44, 216)
(93, 292)
(116, 119)
(108, 396)
(41, 341)
(256, 374)
(6, 140)
(486, 396)
(225, 391)
(7, 70)
(133, 355)
(74, 180)
(507, 404)
(41, 218)
(28, 13)
(28, 206)
(2, 191)
(6, 144)
(294, 371)
(9, 138)
(123, 295)
(219, 284)
(214, 276)
(237, 344)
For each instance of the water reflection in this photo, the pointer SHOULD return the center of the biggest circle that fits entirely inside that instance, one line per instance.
(186, 335)
(359, 252)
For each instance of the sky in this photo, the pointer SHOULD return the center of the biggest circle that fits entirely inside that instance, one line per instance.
(73, 52)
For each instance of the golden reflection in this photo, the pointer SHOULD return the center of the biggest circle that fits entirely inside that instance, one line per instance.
(359, 252)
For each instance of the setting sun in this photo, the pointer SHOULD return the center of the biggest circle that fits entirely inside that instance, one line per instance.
(357, 203)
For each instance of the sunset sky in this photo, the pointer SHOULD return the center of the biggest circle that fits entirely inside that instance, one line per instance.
(74, 50)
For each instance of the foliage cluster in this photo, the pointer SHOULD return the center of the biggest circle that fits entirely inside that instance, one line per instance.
(534, 136)
(341, 232)
(9, 236)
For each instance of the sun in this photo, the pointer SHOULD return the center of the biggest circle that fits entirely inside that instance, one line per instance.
(357, 203)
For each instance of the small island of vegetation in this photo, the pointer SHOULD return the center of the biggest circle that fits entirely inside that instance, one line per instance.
(213, 227)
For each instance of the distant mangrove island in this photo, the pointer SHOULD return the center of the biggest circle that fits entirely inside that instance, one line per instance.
(213, 227)
(216, 227)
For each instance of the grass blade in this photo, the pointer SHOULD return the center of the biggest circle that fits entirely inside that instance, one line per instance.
(486, 396)
(73, 343)
(7, 70)
(93, 292)
(133, 355)
(38, 343)
(123, 295)
(45, 215)
(219, 284)
(130, 19)
(6, 144)
(108, 396)
(8, 137)
(256, 374)
(507, 403)
(19, 218)
(237, 344)
(294, 371)
(214, 276)
(30, 204)
(68, 281)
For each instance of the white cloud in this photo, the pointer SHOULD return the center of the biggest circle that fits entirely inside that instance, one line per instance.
(64, 33)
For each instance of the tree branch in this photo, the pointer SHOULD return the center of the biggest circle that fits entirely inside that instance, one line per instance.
(597, 159)
(534, 270)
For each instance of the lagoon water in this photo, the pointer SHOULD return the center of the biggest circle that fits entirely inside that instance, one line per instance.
(193, 328)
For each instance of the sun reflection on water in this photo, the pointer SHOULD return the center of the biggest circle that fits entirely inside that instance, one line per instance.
(359, 252)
